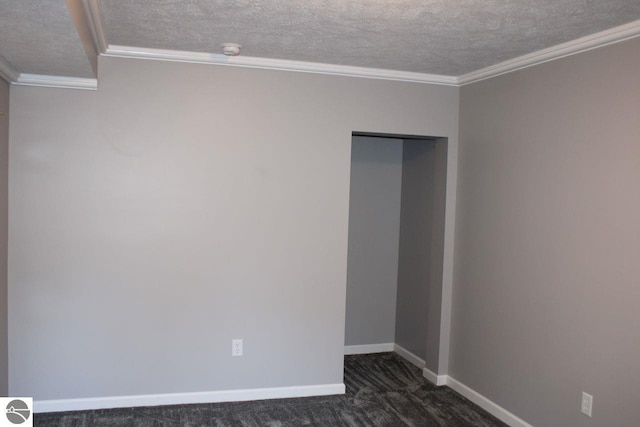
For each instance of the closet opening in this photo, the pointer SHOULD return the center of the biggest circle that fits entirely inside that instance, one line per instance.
(396, 246)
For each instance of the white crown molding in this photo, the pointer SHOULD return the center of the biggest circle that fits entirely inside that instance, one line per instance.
(56, 81)
(84, 404)
(95, 22)
(368, 348)
(7, 71)
(276, 64)
(593, 41)
(12, 76)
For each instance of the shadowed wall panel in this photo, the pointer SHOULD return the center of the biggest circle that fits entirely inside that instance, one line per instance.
(4, 209)
(374, 230)
(414, 265)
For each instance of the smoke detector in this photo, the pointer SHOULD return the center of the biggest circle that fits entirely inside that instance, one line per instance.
(231, 49)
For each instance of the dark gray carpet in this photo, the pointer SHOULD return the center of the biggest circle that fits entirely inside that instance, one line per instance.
(382, 390)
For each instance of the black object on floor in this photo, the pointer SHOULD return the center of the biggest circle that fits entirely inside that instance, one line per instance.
(382, 390)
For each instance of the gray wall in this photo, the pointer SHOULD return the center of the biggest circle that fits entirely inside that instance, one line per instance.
(181, 206)
(414, 265)
(374, 232)
(4, 198)
(435, 355)
(547, 266)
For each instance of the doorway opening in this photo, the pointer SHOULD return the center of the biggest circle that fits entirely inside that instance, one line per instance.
(396, 246)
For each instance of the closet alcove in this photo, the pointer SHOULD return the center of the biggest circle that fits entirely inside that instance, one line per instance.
(396, 246)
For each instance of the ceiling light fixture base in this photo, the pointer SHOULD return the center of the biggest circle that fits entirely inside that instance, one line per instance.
(231, 49)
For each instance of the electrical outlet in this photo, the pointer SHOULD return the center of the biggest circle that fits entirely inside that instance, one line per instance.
(587, 404)
(236, 347)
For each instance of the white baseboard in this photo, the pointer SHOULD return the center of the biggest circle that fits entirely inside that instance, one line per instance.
(486, 404)
(186, 398)
(368, 348)
(436, 379)
(408, 356)
(442, 380)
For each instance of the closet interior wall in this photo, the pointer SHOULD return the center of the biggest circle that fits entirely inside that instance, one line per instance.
(396, 241)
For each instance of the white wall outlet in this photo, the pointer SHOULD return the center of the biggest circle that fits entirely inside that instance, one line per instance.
(587, 404)
(236, 347)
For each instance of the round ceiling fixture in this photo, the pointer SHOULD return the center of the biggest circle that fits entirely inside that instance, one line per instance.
(231, 49)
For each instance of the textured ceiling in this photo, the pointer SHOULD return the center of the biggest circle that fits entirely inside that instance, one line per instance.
(38, 37)
(449, 37)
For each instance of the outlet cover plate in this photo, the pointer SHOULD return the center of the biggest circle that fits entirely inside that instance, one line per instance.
(587, 404)
(236, 348)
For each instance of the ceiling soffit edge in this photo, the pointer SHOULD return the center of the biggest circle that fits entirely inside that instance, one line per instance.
(95, 22)
(7, 71)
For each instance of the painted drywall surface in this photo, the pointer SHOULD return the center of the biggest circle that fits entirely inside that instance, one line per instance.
(434, 308)
(181, 206)
(4, 210)
(374, 232)
(414, 264)
(546, 288)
